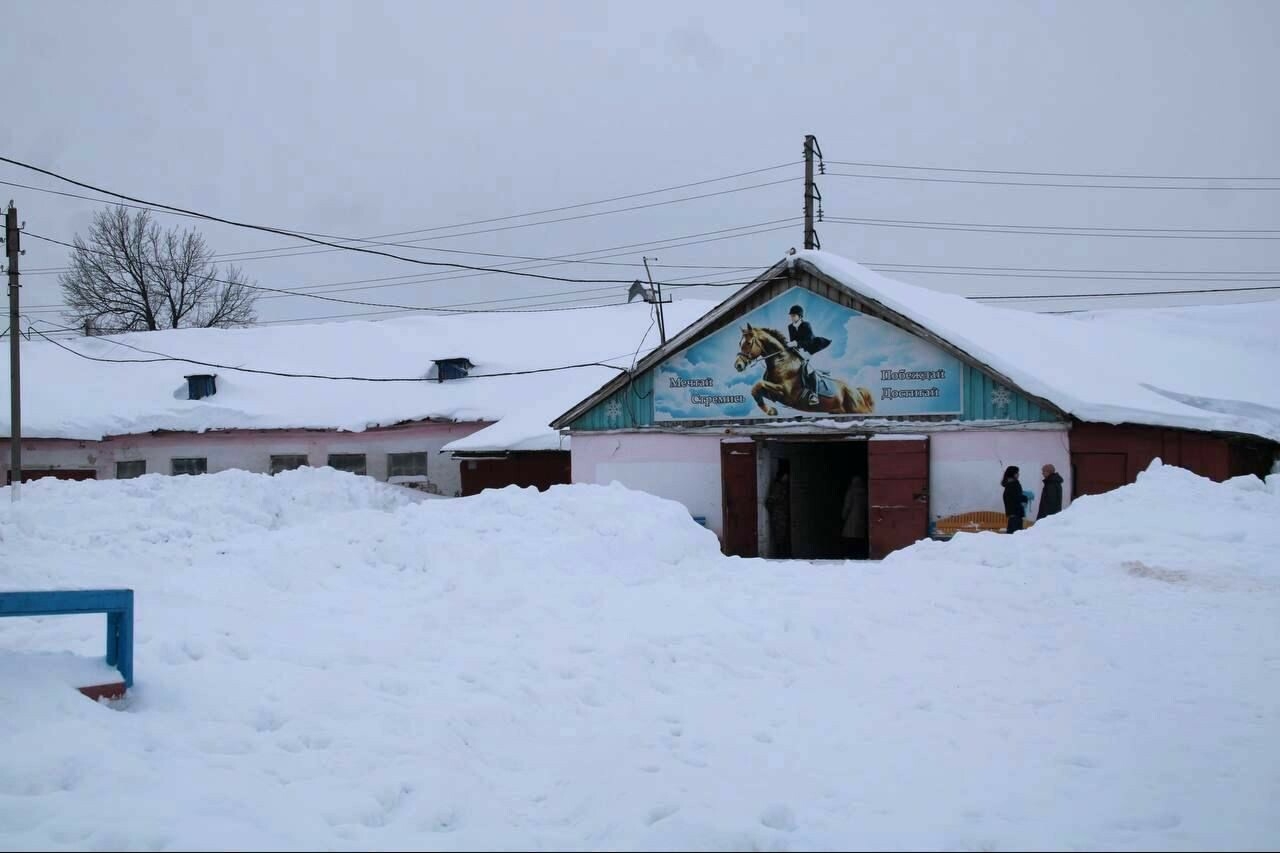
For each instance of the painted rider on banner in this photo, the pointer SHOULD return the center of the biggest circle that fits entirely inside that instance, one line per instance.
(801, 335)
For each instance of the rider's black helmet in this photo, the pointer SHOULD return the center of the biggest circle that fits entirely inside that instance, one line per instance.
(797, 310)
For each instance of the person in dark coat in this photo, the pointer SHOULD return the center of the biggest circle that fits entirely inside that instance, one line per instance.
(800, 333)
(778, 505)
(1051, 497)
(1015, 503)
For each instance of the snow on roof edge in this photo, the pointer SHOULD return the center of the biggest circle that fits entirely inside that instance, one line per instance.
(881, 289)
(966, 326)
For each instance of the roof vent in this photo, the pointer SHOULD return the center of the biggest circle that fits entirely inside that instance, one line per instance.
(201, 385)
(452, 368)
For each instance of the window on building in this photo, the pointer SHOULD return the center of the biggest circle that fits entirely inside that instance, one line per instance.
(190, 465)
(131, 469)
(353, 462)
(287, 462)
(406, 465)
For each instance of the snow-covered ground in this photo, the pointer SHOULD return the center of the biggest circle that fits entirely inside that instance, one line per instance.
(326, 663)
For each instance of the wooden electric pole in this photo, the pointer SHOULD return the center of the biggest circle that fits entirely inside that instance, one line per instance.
(811, 193)
(14, 250)
(657, 294)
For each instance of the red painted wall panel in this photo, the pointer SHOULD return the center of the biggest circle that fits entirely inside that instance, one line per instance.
(1202, 453)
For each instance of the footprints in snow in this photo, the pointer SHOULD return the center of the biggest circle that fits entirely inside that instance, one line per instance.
(176, 654)
(777, 817)
(390, 805)
(661, 812)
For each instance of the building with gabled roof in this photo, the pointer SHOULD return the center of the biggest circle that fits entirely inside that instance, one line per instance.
(919, 402)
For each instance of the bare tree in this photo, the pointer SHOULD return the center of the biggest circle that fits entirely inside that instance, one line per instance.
(129, 275)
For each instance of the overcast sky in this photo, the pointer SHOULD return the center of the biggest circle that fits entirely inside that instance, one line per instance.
(360, 119)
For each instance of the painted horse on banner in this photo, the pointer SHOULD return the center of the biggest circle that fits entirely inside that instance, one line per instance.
(783, 383)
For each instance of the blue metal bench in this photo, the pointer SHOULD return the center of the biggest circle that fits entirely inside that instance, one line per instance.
(116, 603)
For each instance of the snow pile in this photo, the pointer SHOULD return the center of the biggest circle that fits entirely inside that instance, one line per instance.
(143, 394)
(1147, 540)
(1206, 368)
(325, 663)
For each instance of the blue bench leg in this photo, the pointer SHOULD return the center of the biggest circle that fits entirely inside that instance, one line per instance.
(120, 642)
(113, 638)
(125, 639)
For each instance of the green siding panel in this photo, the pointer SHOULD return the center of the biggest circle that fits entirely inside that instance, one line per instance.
(988, 400)
(630, 406)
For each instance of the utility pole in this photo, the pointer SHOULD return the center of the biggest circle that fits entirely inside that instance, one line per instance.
(13, 249)
(657, 292)
(811, 193)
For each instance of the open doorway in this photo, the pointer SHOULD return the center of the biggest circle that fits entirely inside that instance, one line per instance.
(814, 499)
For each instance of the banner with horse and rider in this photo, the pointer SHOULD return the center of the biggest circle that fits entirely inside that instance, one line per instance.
(801, 355)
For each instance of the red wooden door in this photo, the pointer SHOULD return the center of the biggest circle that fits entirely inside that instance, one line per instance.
(541, 469)
(897, 493)
(1095, 473)
(738, 480)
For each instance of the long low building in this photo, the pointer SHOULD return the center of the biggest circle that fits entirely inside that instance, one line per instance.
(920, 401)
(447, 404)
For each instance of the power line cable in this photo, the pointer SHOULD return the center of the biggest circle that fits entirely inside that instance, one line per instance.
(563, 257)
(339, 300)
(1109, 176)
(583, 292)
(672, 283)
(1072, 269)
(1065, 277)
(452, 276)
(655, 245)
(163, 357)
(918, 179)
(286, 233)
(1173, 229)
(251, 256)
(409, 244)
(570, 206)
(1062, 230)
(466, 224)
(921, 269)
(583, 297)
(734, 284)
(1127, 293)
(570, 257)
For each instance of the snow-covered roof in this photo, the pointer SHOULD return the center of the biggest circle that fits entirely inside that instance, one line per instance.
(1205, 367)
(67, 396)
(1209, 368)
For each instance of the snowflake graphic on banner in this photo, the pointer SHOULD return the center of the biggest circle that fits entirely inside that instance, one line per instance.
(613, 410)
(1000, 397)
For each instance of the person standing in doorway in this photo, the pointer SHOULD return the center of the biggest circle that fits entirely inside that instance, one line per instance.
(854, 516)
(1015, 502)
(778, 505)
(1051, 497)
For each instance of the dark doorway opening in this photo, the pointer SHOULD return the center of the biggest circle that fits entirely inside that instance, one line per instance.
(815, 500)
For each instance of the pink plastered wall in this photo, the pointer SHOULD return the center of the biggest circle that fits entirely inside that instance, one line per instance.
(251, 450)
(684, 468)
(965, 467)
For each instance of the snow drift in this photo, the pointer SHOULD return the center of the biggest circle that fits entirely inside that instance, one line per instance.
(324, 662)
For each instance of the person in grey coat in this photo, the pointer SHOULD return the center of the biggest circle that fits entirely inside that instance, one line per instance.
(854, 517)
(1051, 497)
